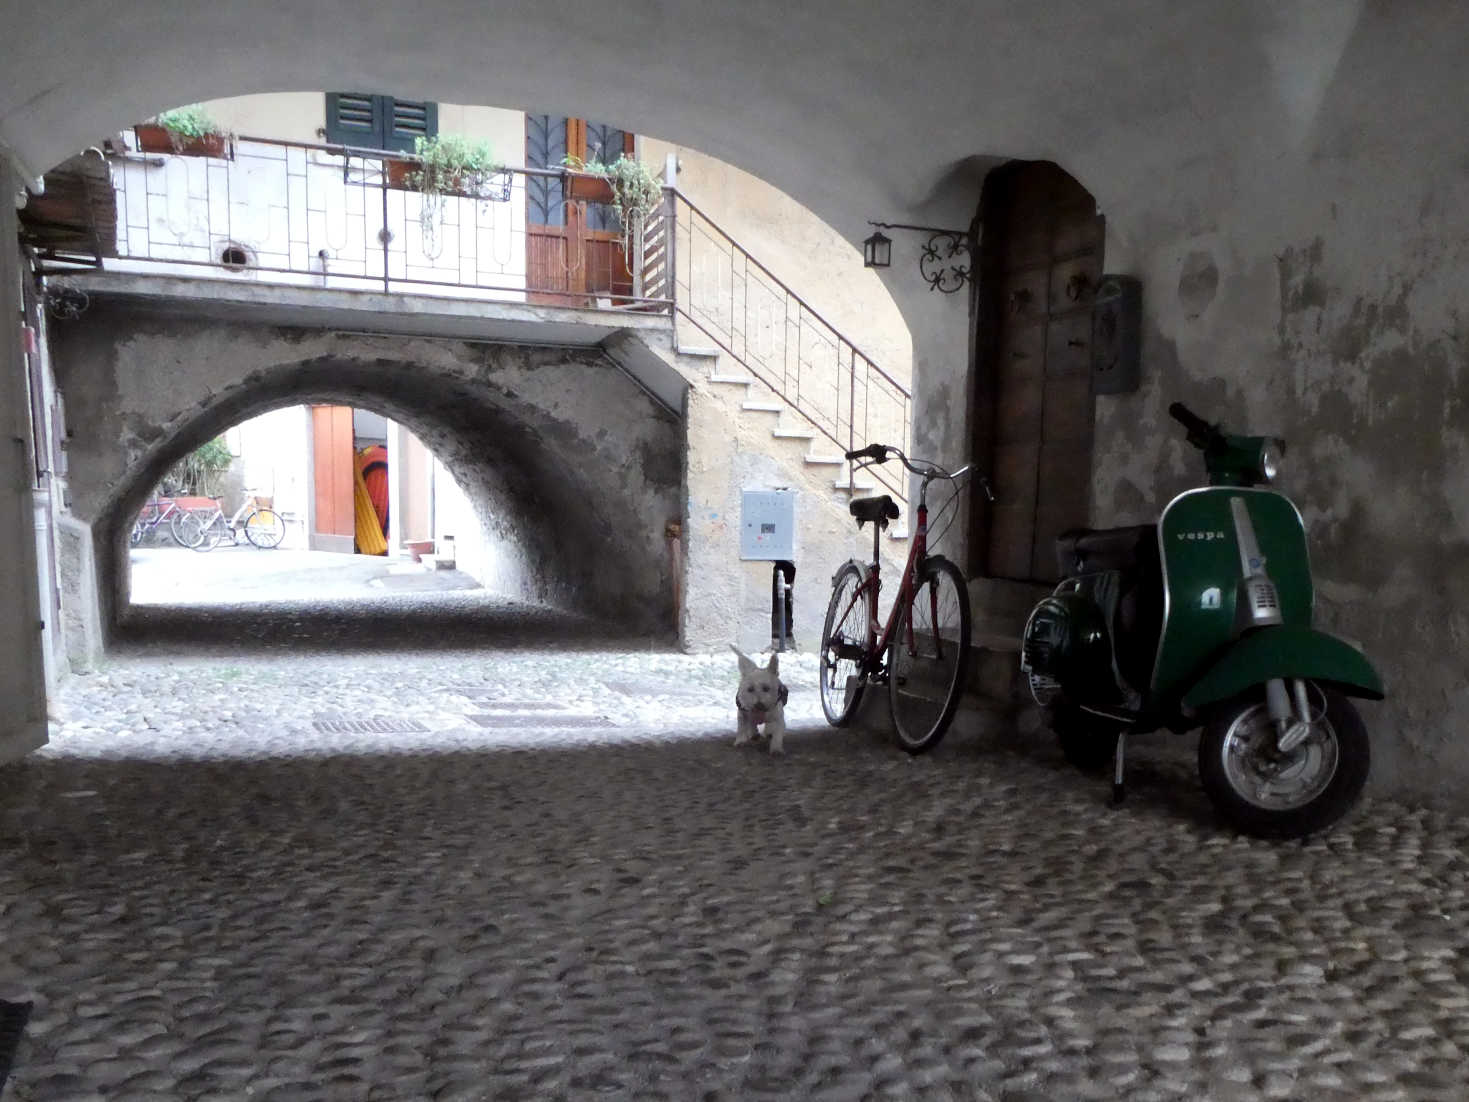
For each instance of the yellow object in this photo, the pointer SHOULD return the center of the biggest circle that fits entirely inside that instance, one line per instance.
(370, 539)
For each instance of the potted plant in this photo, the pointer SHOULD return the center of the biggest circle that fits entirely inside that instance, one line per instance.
(447, 164)
(185, 130)
(633, 191)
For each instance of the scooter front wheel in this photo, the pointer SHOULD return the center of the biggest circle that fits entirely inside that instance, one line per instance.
(1263, 792)
(1088, 743)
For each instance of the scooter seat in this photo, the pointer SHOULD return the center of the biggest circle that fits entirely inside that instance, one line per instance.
(881, 509)
(1088, 550)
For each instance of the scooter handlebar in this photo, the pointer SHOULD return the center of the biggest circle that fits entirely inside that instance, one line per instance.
(1187, 418)
(1201, 434)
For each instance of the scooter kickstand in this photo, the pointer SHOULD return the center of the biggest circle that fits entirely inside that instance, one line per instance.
(1119, 758)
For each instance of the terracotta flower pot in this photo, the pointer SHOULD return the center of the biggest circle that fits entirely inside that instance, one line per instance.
(153, 138)
(588, 187)
(403, 176)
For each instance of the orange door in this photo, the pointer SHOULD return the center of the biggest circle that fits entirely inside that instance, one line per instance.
(334, 518)
(573, 251)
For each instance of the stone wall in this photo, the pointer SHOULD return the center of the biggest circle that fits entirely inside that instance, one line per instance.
(1321, 301)
(573, 470)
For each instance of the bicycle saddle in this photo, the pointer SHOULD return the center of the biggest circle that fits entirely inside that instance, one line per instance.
(880, 509)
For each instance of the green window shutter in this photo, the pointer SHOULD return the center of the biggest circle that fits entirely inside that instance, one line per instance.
(407, 120)
(353, 118)
(378, 122)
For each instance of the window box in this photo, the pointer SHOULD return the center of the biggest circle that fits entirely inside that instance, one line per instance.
(153, 138)
(588, 187)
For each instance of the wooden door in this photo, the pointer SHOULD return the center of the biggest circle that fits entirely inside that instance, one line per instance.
(572, 244)
(1040, 263)
(333, 523)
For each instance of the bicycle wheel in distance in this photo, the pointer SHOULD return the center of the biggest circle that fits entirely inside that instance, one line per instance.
(843, 639)
(139, 530)
(264, 528)
(186, 528)
(929, 657)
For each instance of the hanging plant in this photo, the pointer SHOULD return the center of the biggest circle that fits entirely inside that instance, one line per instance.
(450, 165)
(636, 193)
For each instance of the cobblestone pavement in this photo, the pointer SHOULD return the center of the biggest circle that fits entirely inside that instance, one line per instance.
(300, 865)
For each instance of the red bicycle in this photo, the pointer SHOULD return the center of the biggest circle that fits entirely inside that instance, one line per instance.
(923, 651)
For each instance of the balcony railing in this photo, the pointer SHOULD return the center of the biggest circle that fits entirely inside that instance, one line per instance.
(337, 216)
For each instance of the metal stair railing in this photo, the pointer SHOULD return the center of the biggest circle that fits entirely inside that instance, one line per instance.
(736, 302)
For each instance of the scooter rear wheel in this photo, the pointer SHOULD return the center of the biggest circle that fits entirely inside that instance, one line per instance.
(1272, 795)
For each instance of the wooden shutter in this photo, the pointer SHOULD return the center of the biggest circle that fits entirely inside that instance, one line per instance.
(354, 119)
(379, 122)
(406, 120)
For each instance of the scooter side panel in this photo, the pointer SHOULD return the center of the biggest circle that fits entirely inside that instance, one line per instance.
(1202, 570)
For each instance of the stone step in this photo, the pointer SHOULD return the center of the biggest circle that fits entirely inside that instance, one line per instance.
(792, 434)
(824, 460)
(703, 352)
(762, 407)
(732, 380)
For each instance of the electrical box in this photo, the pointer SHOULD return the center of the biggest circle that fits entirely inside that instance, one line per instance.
(1117, 339)
(768, 525)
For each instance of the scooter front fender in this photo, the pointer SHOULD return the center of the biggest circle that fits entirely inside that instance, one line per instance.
(1285, 651)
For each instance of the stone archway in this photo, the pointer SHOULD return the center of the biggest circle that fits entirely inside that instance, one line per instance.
(567, 461)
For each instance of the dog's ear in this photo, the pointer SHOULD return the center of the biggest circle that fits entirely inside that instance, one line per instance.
(774, 666)
(746, 666)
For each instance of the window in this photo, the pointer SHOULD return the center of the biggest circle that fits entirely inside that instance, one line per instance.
(378, 122)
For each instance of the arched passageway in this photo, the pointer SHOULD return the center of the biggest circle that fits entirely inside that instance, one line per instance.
(573, 471)
(1300, 233)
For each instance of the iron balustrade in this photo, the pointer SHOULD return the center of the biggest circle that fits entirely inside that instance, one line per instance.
(322, 215)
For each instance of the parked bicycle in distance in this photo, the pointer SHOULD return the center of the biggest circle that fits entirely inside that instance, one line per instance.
(206, 530)
(156, 512)
(923, 651)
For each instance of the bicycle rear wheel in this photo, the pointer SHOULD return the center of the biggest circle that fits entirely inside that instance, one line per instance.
(843, 642)
(929, 657)
(265, 528)
(139, 530)
(186, 528)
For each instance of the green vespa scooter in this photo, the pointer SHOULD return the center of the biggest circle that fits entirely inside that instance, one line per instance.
(1204, 619)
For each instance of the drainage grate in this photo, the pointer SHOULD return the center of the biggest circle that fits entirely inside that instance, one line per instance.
(550, 722)
(500, 704)
(377, 726)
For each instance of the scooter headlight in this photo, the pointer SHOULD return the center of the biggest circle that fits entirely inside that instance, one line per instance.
(1271, 454)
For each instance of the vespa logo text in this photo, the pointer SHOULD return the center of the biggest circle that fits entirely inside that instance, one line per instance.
(1209, 598)
(1201, 535)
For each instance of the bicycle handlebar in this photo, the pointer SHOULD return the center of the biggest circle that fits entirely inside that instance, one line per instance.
(881, 453)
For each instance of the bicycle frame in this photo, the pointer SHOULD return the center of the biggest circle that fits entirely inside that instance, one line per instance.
(879, 638)
(156, 510)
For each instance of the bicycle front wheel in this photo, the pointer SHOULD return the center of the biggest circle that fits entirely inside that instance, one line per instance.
(843, 643)
(929, 657)
(265, 528)
(186, 528)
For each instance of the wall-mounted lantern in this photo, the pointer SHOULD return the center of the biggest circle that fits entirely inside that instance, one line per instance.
(877, 251)
(944, 262)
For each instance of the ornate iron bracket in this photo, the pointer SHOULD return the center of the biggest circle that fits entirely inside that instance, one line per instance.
(945, 260)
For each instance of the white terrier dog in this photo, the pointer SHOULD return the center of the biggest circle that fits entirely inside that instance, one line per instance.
(761, 699)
